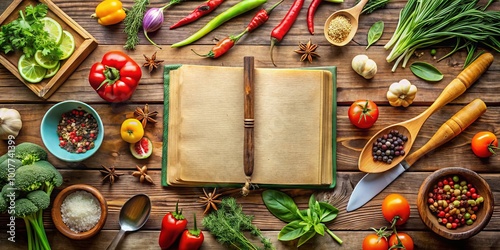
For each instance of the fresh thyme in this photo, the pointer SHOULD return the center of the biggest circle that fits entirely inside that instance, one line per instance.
(133, 23)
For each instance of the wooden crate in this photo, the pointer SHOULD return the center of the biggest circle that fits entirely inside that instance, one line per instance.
(85, 44)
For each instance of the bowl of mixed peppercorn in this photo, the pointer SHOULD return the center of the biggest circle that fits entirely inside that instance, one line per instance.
(456, 203)
(72, 130)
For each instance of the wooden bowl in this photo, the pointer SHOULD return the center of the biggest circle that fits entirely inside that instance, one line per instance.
(483, 214)
(57, 217)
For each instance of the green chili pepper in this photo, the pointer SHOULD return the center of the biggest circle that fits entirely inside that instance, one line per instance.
(235, 10)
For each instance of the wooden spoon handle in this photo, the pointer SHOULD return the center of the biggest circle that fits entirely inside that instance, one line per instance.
(463, 81)
(358, 8)
(451, 128)
(248, 150)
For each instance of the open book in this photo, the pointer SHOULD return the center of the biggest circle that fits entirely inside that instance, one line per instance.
(294, 129)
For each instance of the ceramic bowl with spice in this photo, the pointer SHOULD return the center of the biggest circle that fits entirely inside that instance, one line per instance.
(456, 203)
(72, 130)
(79, 211)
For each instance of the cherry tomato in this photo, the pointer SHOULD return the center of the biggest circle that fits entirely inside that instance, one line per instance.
(132, 130)
(374, 242)
(396, 209)
(363, 113)
(405, 239)
(484, 144)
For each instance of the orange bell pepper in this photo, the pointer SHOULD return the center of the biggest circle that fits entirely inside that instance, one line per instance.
(109, 12)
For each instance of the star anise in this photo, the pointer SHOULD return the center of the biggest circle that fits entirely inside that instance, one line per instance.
(110, 174)
(308, 51)
(144, 115)
(210, 200)
(151, 63)
(142, 173)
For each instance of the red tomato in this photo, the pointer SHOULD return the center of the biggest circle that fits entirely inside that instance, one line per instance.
(484, 144)
(374, 242)
(396, 209)
(405, 239)
(363, 113)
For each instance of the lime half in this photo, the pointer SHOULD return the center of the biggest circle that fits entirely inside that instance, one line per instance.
(45, 61)
(53, 28)
(51, 72)
(30, 70)
(67, 45)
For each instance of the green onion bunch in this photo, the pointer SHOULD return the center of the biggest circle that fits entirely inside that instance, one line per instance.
(424, 23)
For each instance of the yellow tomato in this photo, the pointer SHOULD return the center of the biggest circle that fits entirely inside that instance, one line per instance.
(132, 130)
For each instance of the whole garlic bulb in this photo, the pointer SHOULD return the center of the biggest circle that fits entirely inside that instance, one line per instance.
(364, 66)
(10, 123)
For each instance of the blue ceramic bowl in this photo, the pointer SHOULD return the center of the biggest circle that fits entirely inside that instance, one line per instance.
(48, 130)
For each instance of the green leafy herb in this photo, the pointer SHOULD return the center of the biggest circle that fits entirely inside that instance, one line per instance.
(427, 23)
(373, 5)
(375, 32)
(426, 71)
(302, 224)
(133, 22)
(26, 34)
(228, 223)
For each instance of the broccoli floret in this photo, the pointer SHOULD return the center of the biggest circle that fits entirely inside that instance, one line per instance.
(32, 177)
(7, 190)
(3, 157)
(3, 205)
(57, 179)
(39, 198)
(8, 166)
(29, 153)
(28, 211)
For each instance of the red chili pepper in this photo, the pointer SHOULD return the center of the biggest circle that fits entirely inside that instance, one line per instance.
(227, 43)
(172, 226)
(191, 239)
(202, 10)
(261, 17)
(310, 14)
(284, 26)
(116, 77)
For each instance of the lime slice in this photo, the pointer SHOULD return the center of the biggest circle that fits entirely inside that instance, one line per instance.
(30, 70)
(51, 72)
(67, 45)
(53, 28)
(45, 61)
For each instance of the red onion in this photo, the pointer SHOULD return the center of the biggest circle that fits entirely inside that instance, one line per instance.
(152, 21)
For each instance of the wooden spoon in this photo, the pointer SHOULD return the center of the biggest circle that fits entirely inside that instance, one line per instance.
(411, 128)
(353, 15)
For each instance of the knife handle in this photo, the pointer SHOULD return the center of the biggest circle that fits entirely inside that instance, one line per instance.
(451, 128)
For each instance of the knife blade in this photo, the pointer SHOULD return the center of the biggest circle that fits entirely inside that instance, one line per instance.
(372, 184)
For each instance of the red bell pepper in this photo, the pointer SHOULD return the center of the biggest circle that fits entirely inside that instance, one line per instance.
(191, 239)
(116, 77)
(172, 226)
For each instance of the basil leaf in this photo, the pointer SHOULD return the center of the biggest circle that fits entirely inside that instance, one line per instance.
(375, 32)
(280, 205)
(328, 212)
(293, 230)
(426, 71)
(307, 236)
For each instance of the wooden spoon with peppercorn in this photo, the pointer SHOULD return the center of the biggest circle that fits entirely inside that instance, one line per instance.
(410, 128)
(341, 26)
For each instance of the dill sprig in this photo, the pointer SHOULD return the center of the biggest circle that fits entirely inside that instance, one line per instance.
(228, 223)
(133, 23)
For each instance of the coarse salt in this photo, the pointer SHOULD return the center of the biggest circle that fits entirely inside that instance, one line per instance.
(80, 211)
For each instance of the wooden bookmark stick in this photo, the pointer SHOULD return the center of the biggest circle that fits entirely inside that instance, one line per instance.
(248, 149)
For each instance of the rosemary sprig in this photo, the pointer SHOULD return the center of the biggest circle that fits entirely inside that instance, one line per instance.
(133, 23)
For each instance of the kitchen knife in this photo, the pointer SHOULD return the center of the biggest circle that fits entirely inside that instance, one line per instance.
(372, 184)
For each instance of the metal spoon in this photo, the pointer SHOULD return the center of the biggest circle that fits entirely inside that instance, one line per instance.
(353, 15)
(133, 215)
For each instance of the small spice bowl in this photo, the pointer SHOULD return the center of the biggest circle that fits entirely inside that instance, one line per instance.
(483, 213)
(49, 127)
(57, 216)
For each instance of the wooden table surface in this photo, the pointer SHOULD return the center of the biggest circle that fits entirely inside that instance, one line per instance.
(352, 227)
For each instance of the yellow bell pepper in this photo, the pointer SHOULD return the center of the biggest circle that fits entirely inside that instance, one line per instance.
(109, 12)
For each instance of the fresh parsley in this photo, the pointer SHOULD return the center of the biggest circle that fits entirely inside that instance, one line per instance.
(26, 34)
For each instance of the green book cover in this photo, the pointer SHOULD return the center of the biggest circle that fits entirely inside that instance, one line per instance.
(168, 68)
